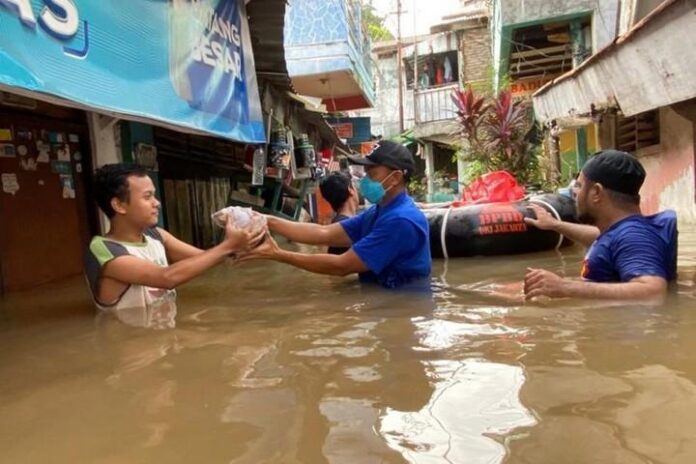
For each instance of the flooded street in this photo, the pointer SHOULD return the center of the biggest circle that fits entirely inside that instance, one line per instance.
(269, 364)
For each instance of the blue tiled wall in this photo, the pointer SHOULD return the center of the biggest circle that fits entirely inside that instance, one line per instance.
(325, 36)
(315, 22)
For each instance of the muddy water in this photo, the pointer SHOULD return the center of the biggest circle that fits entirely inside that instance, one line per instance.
(264, 364)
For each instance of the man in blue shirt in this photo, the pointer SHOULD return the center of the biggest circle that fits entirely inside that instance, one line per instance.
(630, 256)
(389, 242)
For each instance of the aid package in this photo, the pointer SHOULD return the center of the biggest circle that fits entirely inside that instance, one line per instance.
(242, 218)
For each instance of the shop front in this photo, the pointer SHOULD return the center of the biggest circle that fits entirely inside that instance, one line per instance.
(45, 163)
(72, 77)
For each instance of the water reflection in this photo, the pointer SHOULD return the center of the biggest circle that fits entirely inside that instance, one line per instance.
(258, 364)
(158, 316)
(474, 406)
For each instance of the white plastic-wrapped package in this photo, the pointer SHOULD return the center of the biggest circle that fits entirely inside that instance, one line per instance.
(242, 218)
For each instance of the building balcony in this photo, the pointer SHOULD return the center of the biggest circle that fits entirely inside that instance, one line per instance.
(435, 104)
(328, 53)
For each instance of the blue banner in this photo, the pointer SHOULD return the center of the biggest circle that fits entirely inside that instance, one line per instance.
(182, 62)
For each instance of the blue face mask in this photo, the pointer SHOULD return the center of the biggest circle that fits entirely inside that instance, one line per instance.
(372, 190)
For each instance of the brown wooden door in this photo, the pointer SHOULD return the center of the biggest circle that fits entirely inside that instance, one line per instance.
(43, 225)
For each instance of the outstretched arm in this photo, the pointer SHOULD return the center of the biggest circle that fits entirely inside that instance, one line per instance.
(133, 270)
(321, 263)
(579, 233)
(310, 234)
(340, 265)
(177, 249)
(137, 271)
(539, 282)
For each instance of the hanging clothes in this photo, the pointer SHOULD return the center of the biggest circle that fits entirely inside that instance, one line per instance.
(424, 79)
(439, 76)
(449, 75)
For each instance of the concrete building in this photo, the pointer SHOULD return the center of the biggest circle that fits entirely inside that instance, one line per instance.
(328, 53)
(456, 53)
(640, 92)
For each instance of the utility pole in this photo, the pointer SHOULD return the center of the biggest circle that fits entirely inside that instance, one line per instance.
(578, 44)
(399, 66)
(415, 66)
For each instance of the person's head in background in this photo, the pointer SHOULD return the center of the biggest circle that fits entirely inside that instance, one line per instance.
(337, 189)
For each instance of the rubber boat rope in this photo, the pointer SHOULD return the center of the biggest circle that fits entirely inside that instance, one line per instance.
(556, 215)
(443, 242)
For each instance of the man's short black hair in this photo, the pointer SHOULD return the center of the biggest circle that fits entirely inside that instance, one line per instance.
(623, 199)
(335, 188)
(111, 180)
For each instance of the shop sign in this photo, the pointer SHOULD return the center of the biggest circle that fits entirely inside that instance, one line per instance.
(180, 62)
(354, 130)
(344, 130)
(526, 87)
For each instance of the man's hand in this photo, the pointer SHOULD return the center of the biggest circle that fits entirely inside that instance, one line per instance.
(544, 220)
(270, 220)
(540, 282)
(239, 240)
(269, 249)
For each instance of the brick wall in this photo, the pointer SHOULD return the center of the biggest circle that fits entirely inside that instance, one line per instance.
(475, 55)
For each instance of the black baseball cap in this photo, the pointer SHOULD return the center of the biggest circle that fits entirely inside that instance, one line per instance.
(615, 170)
(387, 153)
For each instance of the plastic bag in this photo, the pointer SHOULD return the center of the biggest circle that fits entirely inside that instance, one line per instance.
(494, 187)
(242, 218)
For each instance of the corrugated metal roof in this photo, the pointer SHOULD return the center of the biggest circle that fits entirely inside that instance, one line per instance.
(266, 26)
(644, 69)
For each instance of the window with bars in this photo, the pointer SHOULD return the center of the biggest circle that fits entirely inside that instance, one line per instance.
(639, 131)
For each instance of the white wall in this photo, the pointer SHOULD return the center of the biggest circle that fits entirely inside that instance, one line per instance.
(104, 132)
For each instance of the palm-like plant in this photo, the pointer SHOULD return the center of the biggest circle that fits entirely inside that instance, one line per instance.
(471, 114)
(495, 132)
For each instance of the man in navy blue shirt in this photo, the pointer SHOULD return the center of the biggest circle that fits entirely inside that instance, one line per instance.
(630, 256)
(389, 242)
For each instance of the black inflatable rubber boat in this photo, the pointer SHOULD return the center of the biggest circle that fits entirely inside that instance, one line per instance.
(495, 229)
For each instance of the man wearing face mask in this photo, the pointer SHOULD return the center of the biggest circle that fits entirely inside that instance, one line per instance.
(630, 256)
(389, 242)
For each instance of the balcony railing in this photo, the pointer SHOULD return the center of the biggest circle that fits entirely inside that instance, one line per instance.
(435, 104)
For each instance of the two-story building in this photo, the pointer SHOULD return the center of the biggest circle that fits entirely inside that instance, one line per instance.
(328, 53)
(455, 53)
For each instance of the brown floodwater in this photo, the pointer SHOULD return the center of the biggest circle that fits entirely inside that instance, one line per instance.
(266, 364)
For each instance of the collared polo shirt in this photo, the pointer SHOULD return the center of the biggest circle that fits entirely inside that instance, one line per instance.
(393, 241)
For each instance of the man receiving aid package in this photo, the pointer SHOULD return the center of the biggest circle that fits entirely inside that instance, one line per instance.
(630, 256)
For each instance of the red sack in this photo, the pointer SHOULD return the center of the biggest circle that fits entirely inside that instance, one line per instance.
(494, 187)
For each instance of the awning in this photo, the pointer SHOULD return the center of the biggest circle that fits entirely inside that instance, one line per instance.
(309, 103)
(266, 28)
(647, 68)
(145, 61)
